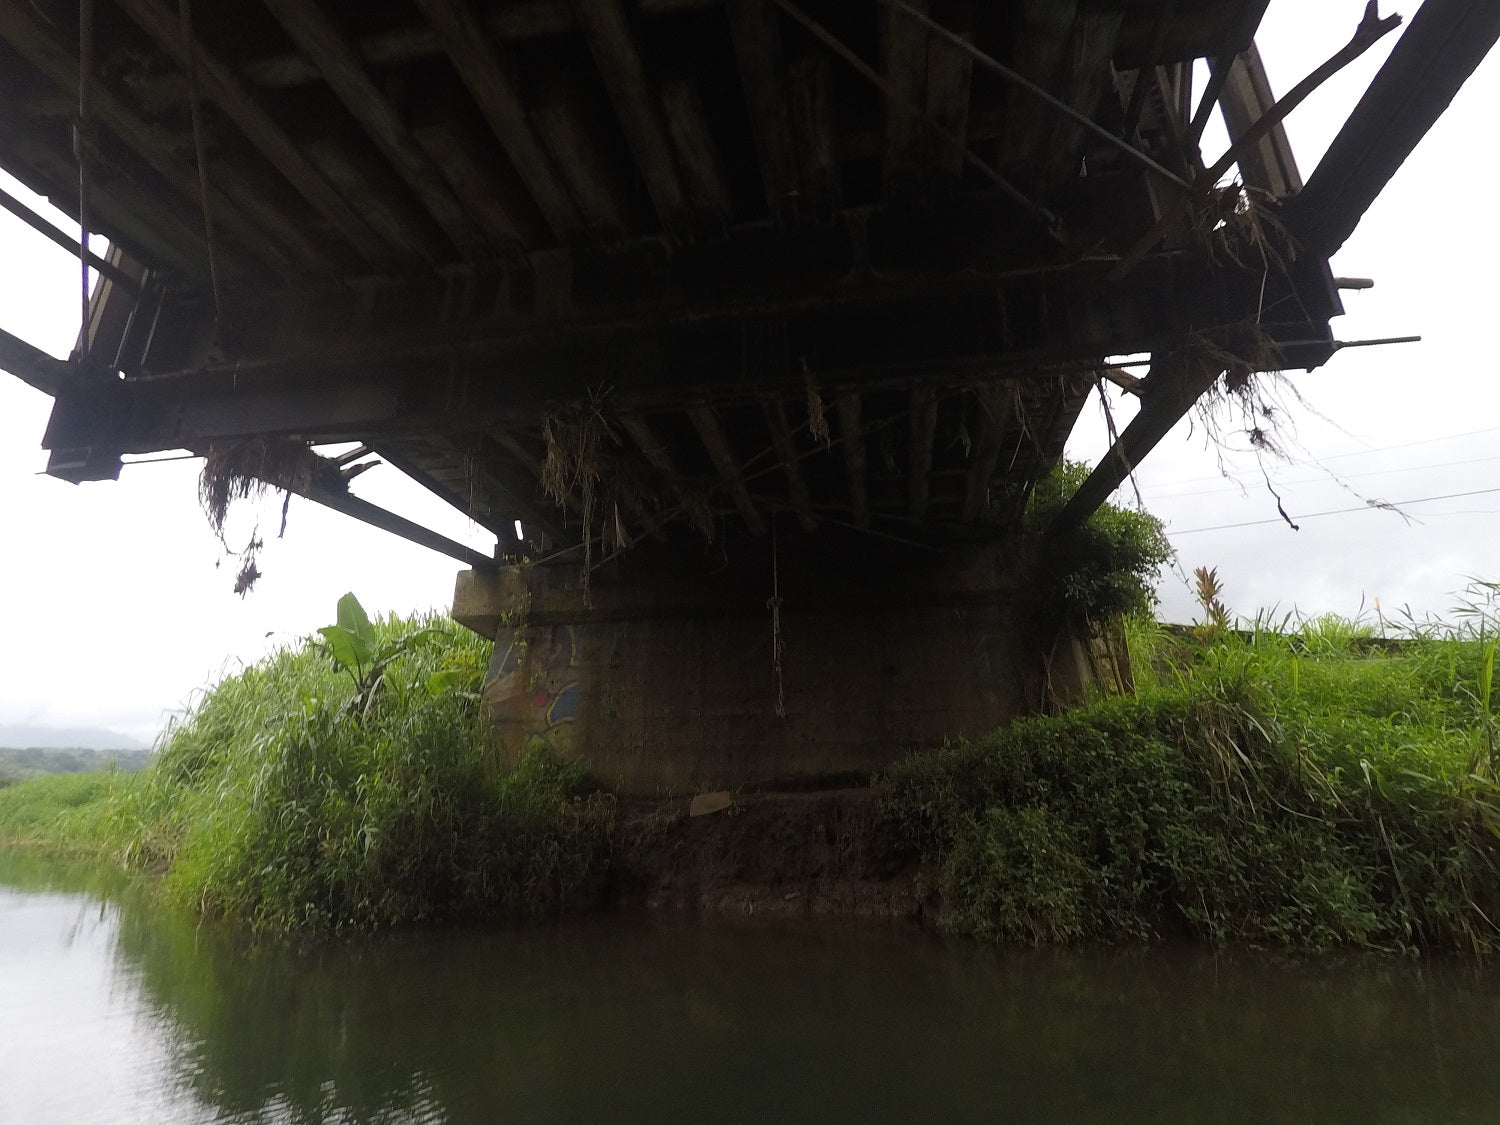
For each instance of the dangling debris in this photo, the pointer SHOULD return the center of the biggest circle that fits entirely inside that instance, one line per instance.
(248, 469)
(817, 420)
(591, 471)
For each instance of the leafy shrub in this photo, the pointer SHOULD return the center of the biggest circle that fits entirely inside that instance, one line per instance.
(1256, 792)
(1104, 568)
(352, 783)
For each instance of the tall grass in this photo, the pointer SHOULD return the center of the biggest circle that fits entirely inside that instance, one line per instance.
(1292, 786)
(280, 804)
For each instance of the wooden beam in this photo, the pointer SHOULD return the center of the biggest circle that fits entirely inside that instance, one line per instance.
(121, 210)
(712, 435)
(1245, 99)
(221, 86)
(248, 219)
(608, 35)
(455, 156)
(906, 48)
(574, 150)
(1085, 75)
(506, 442)
(757, 49)
(409, 236)
(1175, 382)
(791, 463)
(851, 434)
(922, 430)
(435, 469)
(342, 69)
(649, 444)
(810, 93)
(514, 493)
(472, 54)
(1042, 28)
(985, 456)
(950, 72)
(513, 21)
(697, 154)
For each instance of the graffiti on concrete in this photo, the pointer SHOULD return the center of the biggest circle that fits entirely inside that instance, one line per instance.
(533, 688)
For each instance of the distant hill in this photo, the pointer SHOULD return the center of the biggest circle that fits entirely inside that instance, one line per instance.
(35, 761)
(23, 736)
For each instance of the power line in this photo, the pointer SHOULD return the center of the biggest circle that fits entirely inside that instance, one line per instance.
(1232, 486)
(1356, 453)
(1382, 506)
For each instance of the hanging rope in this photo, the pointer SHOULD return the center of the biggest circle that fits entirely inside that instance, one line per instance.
(80, 148)
(778, 645)
(190, 65)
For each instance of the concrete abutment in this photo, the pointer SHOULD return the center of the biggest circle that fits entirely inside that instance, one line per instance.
(662, 676)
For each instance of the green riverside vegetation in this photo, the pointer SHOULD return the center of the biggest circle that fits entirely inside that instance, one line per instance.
(1302, 787)
(343, 782)
(1306, 786)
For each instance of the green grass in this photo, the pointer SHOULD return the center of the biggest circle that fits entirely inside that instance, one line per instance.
(290, 800)
(66, 811)
(1295, 789)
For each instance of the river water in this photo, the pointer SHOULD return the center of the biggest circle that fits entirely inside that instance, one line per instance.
(115, 1010)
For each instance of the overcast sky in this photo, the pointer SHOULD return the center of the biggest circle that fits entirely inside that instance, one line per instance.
(117, 613)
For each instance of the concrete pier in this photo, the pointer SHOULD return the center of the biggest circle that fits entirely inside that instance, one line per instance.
(665, 677)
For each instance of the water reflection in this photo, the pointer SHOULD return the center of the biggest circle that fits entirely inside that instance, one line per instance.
(668, 1019)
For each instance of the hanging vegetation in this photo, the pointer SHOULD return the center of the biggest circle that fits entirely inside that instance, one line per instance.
(248, 469)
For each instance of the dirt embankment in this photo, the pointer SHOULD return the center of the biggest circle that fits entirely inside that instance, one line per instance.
(775, 854)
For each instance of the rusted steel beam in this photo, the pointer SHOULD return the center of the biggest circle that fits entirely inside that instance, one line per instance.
(1446, 41)
(1177, 379)
(1153, 54)
(706, 422)
(66, 241)
(344, 72)
(1219, 69)
(259, 229)
(852, 437)
(994, 413)
(491, 486)
(33, 366)
(1370, 31)
(225, 89)
(386, 520)
(921, 432)
(607, 33)
(465, 40)
(121, 210)
(791, 464)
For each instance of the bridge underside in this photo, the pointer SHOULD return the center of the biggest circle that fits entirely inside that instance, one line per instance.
(697, 291)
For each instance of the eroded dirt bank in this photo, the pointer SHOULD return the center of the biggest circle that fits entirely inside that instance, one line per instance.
(777, 854)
